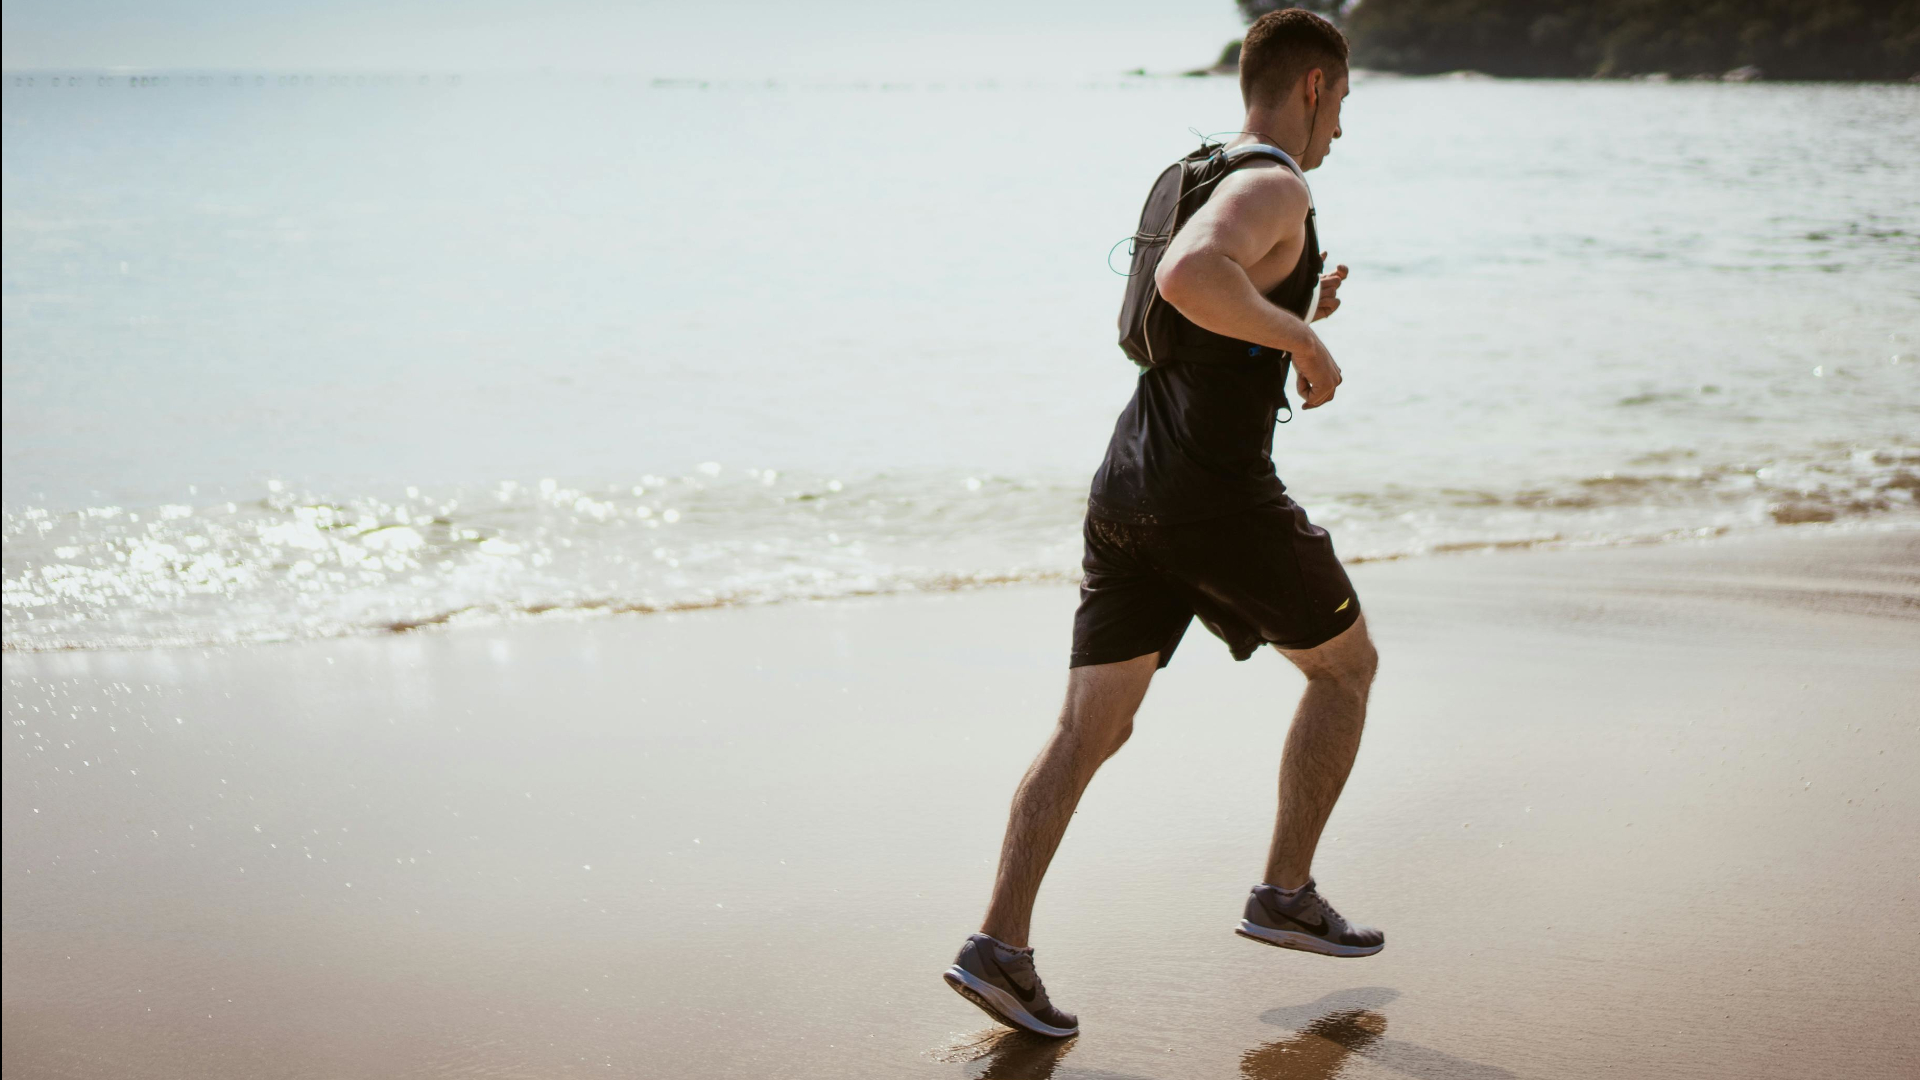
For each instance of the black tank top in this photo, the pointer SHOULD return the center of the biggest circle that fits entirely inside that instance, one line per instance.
(1196, 441)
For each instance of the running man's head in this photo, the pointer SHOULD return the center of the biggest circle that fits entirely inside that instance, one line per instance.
(1293, 75)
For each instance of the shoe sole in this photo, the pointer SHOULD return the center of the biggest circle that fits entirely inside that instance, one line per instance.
(1290, 939)
(999, 1004)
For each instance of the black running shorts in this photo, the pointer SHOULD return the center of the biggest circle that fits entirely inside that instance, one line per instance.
(1262, 575)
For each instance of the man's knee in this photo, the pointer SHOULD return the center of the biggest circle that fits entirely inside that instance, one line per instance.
(1101, 730)
(1101, 701)
(1353, 673)
(1349, 661)
(1365, 663)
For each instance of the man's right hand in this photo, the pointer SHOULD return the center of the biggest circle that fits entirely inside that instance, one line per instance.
(1316, 376)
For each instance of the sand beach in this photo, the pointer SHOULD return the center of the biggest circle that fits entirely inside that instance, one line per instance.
(1632, 811)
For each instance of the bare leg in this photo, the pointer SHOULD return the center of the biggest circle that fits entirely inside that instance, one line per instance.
(1320, 748)
(1095, 722)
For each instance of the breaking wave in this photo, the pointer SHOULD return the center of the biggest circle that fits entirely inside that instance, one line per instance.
(291, 564)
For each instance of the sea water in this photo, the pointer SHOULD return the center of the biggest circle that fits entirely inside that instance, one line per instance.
(300, 355)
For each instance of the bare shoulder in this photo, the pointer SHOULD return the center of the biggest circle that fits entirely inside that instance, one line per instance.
(1256, 206)
(1266, 182)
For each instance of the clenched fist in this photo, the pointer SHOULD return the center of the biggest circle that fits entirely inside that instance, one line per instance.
(1329, 291)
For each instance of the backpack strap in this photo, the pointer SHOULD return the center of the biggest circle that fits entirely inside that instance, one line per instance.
(1263, 150)
(1234, 158)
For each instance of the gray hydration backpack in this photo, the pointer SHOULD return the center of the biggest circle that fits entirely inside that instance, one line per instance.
(1148, 323)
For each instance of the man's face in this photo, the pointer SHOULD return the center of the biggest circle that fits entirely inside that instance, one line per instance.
(1326, 122)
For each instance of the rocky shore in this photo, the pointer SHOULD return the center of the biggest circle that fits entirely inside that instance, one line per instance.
(1735, 42)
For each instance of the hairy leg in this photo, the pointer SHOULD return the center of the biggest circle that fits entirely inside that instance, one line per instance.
(1320, 748)
(1094, 722)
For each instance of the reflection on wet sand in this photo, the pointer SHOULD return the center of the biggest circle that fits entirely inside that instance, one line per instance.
(1346, 1023)
(1002, 1054)
(1317, 1051)
(1326, 1035)
(1022, 1055)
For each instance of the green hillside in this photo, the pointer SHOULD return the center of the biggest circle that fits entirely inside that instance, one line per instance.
(1813, 39)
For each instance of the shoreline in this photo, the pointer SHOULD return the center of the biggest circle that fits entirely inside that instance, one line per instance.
(943, 583)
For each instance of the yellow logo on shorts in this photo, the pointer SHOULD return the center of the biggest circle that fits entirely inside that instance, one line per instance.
(1343, 605)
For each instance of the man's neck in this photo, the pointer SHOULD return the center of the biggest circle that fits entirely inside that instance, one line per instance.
(1276, 128)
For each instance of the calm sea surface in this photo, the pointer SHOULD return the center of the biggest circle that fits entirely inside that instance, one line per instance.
(288, 358)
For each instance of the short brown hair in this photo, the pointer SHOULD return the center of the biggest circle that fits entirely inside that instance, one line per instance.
(1281, 47)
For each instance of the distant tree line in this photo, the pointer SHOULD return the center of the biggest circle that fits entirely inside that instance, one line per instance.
(1784, 39)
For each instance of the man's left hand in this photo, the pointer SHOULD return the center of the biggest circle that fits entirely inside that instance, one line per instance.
(1329, 291)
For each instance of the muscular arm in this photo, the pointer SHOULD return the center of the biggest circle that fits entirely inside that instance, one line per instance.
(1204, 273)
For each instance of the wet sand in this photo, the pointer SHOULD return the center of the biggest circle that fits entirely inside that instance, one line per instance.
(1627, 812)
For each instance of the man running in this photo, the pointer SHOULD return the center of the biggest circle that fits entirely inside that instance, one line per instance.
(1187, 517)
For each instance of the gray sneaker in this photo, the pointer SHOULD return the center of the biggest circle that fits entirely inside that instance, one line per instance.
(1001, 980)
(1305, 922)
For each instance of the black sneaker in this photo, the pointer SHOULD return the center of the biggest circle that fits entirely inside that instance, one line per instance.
(1001, 980)
(1305, 922)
